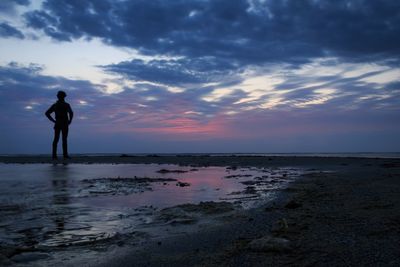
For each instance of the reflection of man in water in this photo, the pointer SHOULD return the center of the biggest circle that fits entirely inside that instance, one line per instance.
(60, 201)
(63, 119)
(60, 211)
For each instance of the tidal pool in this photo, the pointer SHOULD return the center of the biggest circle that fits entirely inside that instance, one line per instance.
(43, 207)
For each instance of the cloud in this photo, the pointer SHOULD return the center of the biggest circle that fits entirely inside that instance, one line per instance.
(144, 113)
(7, 30)
(205, 41)
(243, 32)
(25, 92)
(41, 20)
(9, 6)
(174, 72)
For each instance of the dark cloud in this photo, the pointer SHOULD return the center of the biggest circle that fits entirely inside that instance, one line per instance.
(208, 39)
(7, 30)
(246, 32)
(41, 20)
(175, 71)
(8, 6)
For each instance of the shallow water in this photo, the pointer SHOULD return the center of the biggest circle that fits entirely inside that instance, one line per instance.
(45, 206)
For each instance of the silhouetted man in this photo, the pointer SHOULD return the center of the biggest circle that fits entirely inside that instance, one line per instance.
(63, 119)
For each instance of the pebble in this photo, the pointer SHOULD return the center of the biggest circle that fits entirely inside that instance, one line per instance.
(292, 205)
(29, 256)
(280, 226)
(182, 184)
(269, 243)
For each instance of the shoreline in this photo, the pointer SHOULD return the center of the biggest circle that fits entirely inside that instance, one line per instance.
(345, 213)
(199, 160)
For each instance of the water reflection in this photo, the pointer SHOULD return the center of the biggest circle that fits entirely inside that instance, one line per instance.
(64, 205)
(61, 195)
(206, 184)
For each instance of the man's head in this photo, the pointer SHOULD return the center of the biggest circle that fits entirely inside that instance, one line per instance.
(61, 95)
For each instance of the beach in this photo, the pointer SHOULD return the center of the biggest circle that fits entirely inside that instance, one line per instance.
(324, 211)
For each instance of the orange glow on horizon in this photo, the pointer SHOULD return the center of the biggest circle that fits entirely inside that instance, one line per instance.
(188, 127)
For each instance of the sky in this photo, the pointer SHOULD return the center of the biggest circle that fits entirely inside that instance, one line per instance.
(202, 76)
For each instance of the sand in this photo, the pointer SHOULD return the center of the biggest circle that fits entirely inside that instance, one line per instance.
(345, 213)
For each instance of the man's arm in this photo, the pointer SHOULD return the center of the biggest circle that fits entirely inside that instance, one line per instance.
(70, 113)
(48, 114)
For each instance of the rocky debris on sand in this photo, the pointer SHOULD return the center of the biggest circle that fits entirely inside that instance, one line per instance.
(391, 165)
(269, 244)
(173, 216)
(182, 184)
(171, 171)
(250, 190)
(11, 209)
(126, 156)
(292, 204)
(29, 256)
(233, 167)
(190, 213)
(250, 182)
(4, 261)
(207, 207)
(118, 185)
(237, 176)
(280, 226)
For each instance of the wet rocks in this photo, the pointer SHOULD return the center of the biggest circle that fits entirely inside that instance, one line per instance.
(207, 207)
(118, 185)
(4, 261)
(292, 204)
(238, 176)
(233, 167)
(29, 256)
(390, 165)
(269, 244)
(250, 190)
(11, 209)
(280, 226)
(190, 213)
(126, 156)
(250, 182)
(171, 171)
(182, 184)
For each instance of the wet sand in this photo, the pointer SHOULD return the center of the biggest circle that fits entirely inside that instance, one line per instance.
(345, 213)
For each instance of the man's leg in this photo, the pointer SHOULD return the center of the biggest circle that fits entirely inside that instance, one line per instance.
(55, 141)
(64, 141)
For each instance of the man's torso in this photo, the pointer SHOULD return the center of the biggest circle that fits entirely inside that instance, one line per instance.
(61, 109)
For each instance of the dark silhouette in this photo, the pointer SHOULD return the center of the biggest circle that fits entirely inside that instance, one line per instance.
(62, 120)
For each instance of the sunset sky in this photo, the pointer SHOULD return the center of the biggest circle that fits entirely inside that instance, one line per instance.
(152, 76)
